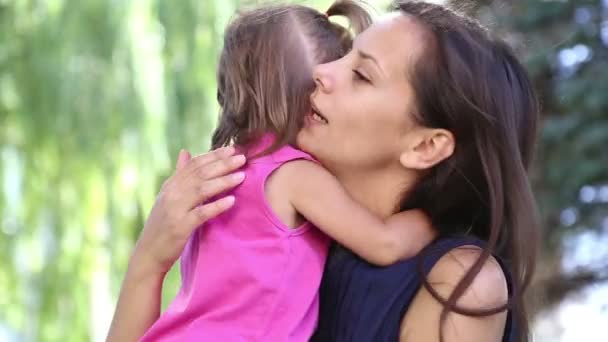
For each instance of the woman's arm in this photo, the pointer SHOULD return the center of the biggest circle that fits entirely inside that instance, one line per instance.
(488, 290)
(138, 304)
(176, 213)
(318, 196)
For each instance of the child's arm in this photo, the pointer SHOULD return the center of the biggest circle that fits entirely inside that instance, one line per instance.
(320, 198)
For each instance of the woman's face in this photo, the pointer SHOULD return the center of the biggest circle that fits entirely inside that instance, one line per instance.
(365, 99)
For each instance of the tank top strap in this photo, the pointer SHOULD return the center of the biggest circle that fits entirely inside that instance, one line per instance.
(267, 163)
(285, 154)
(436, 250)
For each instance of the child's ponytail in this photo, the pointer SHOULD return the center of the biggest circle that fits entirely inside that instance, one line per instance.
(358, 19)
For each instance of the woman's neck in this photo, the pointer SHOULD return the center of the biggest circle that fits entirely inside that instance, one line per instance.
(379, 190)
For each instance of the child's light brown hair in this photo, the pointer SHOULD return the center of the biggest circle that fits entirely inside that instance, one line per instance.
(265, 68)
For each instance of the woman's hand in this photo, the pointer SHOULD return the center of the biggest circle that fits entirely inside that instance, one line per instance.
(182, 205)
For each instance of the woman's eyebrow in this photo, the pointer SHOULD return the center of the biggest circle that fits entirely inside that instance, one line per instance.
(365, 55)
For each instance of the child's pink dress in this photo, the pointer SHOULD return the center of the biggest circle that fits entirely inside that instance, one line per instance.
(245, 275)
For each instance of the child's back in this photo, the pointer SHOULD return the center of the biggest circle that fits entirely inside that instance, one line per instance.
(246, 276)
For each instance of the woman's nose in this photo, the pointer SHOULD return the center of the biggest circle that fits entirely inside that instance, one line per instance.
(323, 80)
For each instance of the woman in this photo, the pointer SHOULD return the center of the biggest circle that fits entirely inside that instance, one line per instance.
(428, 106)
(427, 111)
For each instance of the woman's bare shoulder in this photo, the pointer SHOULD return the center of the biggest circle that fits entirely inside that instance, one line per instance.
(489, 287)
(488, 290)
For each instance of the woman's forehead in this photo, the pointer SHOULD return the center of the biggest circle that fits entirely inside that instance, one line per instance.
(395, 40)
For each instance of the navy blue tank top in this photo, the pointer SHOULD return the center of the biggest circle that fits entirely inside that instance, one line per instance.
(364, 303)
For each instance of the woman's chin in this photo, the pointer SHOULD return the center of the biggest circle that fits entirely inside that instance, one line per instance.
(306, 140)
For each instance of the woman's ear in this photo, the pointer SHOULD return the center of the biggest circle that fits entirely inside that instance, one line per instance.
(427, 147)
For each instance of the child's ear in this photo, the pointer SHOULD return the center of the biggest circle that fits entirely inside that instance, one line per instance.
(427, 147)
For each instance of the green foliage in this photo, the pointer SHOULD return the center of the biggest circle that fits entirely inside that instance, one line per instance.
(96, 98)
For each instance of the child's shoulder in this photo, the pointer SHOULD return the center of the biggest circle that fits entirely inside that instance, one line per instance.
(283, 166)
(289, 176)
(298, 171)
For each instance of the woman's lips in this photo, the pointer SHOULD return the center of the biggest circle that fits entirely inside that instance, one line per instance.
(317, 116)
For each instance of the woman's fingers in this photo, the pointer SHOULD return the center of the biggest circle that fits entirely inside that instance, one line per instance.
(203, 213)
(217, 168)
(207, 189)
(172, 218)
(210, 157)
(200, 169)
(204, 176)
(182, 159)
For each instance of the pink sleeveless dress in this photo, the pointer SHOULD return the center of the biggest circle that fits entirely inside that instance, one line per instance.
(245, 275)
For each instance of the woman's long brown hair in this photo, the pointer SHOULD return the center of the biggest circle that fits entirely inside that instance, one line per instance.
(471, 84)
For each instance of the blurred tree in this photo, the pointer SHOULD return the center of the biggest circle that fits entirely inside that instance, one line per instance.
(96, 98)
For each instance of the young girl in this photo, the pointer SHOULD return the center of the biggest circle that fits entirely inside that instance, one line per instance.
(253, 273)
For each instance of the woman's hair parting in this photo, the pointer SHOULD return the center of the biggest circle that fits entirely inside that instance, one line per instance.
(471, 84)
(265, 68)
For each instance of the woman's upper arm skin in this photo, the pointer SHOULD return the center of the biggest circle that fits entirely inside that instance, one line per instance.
(488, 290)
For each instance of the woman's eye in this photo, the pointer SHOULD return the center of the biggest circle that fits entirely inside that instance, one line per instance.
(358, 76)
